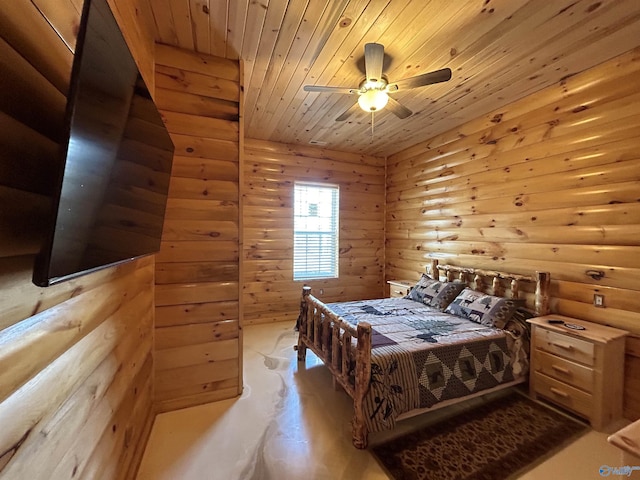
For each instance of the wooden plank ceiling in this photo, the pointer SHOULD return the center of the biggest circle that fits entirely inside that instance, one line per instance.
(499, 51)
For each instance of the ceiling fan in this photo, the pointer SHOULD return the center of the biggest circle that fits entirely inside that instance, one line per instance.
(373, 92)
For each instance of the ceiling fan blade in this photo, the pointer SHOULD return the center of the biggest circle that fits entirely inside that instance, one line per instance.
(347, 113)
(373, 60)
(327, 89)
(398, 109)
(421, 80)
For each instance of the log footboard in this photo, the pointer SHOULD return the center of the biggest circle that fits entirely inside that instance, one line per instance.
(345, 350)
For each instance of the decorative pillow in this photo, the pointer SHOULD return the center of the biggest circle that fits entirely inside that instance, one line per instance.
(417, 292)
(483, 309)
(435, 293)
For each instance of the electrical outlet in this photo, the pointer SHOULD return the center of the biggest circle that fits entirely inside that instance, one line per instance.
(598, 300)
(322, 291)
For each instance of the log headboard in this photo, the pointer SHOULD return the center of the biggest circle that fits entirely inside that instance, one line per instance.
(491, 281)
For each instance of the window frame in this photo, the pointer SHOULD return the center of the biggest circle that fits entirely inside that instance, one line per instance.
(300, 273)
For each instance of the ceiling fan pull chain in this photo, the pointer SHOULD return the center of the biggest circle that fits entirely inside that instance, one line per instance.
(372, 117)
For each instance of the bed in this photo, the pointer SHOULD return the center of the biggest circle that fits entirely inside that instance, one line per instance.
(398, 357)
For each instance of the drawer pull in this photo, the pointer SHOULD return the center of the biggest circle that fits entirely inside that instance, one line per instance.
(560, 369)
(564, 346)
(560, 393)
(398, 292)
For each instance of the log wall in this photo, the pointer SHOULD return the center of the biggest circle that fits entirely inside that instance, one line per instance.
(75, 358)
(549, 183)
(198, 333)
(270, 170)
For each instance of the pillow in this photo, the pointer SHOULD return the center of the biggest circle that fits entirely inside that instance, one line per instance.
(435, 293)
(417, 292)
(484, 309)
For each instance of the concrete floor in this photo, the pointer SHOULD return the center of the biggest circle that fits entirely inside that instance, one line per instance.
(291, 424)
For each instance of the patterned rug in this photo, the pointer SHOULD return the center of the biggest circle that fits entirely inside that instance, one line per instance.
(490, 442)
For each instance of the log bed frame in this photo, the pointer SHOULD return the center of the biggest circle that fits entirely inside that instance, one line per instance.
(339, 344)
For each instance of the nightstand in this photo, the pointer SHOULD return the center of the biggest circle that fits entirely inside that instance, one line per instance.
(581, 370)
(399, 288)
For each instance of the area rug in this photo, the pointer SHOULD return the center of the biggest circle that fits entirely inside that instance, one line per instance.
(494, 441)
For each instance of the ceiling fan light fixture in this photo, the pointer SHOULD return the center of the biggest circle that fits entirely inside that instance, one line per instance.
(373, 92)
(373, 100)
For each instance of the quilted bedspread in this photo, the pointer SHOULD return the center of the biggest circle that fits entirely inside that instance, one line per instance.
(421, 356)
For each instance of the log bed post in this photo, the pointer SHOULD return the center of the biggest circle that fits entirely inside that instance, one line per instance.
(435, 274)
(302, 325)
(542, 293)
(362, 382)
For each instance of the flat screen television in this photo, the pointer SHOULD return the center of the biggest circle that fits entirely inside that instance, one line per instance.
(116, 160)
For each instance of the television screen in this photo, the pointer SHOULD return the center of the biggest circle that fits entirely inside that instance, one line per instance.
(116, 160)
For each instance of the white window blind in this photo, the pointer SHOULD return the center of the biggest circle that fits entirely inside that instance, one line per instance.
(315, 231)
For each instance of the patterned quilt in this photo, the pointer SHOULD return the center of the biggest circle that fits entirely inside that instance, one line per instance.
(421, 356)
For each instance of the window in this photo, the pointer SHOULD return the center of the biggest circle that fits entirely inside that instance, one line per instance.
(315, 231)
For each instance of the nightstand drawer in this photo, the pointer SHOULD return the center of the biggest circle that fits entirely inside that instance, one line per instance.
(565, 346)
(399, 288)
(562, 394)
(564, 370)
(397, 292)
